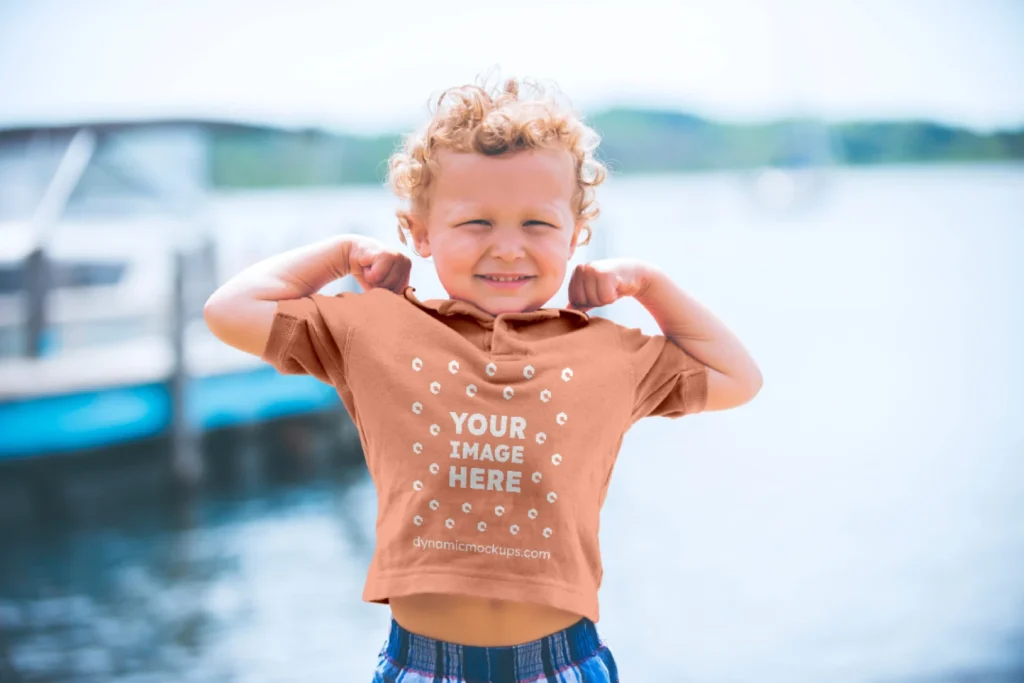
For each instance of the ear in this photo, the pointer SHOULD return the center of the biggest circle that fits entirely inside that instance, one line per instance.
(420, 238)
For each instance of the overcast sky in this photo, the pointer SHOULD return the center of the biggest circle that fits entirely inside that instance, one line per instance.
(371, 66)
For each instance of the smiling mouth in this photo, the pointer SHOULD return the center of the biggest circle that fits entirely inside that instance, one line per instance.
(504, 278)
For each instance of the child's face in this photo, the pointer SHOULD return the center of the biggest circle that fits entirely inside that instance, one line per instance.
(493, 217)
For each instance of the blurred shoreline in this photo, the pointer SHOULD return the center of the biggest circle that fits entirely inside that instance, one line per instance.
(633, 141)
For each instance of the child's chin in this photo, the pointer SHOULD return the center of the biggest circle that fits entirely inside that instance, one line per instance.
(506, 304)
(497, 302)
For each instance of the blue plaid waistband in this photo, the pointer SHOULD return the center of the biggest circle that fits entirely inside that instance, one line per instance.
(539, 659)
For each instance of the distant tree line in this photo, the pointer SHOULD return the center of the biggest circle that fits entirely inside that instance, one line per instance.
(633, 141)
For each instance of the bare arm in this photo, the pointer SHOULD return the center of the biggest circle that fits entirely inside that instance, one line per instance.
(733, 376)
(240, 313)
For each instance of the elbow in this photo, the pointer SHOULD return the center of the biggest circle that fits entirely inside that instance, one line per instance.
(756, 383)
(239, 321)
(213, 315)
(748, 386)
(732, 391)
(752, 385)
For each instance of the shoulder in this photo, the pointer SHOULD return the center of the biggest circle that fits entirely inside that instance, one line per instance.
(376, 299)
(376, 309)
(349, 311)
(597, 336)
(640, 349)
(624, 337)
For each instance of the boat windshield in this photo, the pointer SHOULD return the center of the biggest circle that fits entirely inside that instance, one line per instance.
(133, 171)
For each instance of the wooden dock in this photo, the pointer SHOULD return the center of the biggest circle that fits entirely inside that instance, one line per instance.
(109, 395)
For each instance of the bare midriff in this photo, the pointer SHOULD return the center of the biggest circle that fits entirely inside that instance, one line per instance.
(478, 621)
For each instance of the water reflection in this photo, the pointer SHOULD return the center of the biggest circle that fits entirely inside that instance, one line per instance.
(253, 571)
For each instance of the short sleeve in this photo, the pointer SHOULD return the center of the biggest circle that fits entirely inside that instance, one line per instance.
(667, 381)
(309, 336)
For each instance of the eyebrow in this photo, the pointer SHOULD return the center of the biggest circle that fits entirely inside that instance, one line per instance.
(479, 211)
(533, 218)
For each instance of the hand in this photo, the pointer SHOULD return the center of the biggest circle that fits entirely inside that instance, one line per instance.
(374, 264)
(600, 283)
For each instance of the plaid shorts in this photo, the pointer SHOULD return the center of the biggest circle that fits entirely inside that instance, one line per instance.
(576, 654)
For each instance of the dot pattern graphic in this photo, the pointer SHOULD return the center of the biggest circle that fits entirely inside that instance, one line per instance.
(509, 393)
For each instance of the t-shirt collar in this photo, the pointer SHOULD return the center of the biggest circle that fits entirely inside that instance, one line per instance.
(459, 307)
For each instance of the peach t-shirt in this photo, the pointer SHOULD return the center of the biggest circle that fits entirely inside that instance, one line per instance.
(490, 439)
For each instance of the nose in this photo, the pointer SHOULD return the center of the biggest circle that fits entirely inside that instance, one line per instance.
(507, 245)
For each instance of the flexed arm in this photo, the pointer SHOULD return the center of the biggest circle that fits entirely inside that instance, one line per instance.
(733, 376)
(240, 313)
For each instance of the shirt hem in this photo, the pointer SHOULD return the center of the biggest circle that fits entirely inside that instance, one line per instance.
(380, 588)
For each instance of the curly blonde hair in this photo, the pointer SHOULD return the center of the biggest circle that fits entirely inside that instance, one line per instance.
(473, 118)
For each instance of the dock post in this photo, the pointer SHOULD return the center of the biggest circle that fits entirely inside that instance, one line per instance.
(48, 213)
(186, 457)
(37, 285)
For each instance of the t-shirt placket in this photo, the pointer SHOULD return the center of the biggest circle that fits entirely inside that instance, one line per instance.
(503, 342)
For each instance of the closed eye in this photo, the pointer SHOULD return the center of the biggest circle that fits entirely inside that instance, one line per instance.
(483, 222)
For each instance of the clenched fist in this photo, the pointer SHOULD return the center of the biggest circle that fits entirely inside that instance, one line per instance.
(374, 264)
(600, 283)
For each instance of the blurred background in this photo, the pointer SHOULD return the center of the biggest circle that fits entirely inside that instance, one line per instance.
(840, 182)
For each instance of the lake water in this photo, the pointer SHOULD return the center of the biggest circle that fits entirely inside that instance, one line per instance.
(861, 521)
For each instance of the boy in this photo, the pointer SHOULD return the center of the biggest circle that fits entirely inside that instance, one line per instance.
(490, 424)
